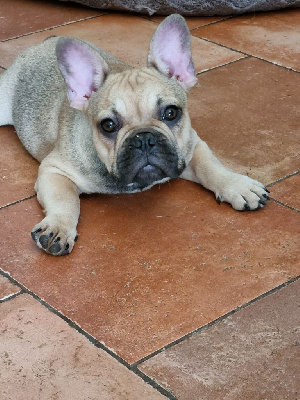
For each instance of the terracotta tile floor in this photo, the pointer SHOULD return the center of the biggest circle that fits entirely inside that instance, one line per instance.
(167, 294)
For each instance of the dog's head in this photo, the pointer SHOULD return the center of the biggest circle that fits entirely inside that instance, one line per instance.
(141, 127)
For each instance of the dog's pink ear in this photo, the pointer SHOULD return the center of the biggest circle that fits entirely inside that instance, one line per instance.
(170, 51)
(83, 69)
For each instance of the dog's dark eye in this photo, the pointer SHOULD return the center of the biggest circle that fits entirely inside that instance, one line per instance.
(108, 126)
(171, 114)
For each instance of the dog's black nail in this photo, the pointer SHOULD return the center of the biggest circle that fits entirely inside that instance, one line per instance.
(263, 202)
(34, 234)
(76, 238)
(266, 196)
(218, 200)
(247, 207)
(44, 241)
(66, 250)
(268, 191)
(55, 248)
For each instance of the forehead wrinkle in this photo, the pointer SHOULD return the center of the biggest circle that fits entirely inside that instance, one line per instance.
(119, 106)
(138, 94)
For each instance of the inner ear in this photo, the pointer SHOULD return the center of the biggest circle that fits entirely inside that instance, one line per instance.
(83, 69)
(170, 51)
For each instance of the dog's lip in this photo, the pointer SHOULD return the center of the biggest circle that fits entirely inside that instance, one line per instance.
(148, 174)
(148, 167)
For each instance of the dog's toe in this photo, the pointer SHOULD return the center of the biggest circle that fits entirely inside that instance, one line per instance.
(244, 193)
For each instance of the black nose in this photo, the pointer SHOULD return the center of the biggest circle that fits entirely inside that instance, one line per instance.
(143, 141)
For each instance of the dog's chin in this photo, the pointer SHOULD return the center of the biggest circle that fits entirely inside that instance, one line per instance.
(148, 175)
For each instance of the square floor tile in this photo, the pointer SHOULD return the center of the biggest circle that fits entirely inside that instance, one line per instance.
(126, 37)
(18, 169)
(273, 36)
(19, 17)
(248, 113)
(251, 355)
(44, 358)
(287, 191)
(151, 267)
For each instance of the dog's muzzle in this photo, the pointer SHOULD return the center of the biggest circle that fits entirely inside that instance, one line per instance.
(147, 157)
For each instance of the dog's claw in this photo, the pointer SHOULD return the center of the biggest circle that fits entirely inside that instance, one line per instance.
(247, 207)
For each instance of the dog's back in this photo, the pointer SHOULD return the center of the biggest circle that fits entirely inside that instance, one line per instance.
(31, 84)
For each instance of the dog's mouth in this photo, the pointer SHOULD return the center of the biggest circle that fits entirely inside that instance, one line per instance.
(147, 158)
(149, 174)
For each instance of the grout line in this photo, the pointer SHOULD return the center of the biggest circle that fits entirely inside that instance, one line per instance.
(247, 54)
(222, 65)
(149, 381)
(88, 336)
(52, 27)
(150, 18)
(214, 322)
(11, 296)
(18, 201)
(283, 178)
(284, 205)
(212, 23)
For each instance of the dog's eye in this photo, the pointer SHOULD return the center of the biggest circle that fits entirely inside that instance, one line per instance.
(108, 126)
(171, 113)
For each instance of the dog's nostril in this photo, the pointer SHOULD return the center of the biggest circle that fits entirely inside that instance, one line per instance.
(143, 140)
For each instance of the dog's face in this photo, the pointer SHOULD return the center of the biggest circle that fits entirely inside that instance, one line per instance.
(141, 127)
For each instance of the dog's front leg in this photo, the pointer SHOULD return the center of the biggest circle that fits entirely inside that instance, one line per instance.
(58, 195)
(242, 192)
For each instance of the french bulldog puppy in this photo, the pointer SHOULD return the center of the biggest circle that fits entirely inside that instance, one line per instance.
(97, 125)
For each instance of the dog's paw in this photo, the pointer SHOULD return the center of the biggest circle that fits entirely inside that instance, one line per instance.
(243, 193)
(54, 236)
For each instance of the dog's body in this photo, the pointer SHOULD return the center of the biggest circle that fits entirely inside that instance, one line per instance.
(98, 125)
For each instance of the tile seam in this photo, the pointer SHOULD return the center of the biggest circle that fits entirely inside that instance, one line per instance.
(212, 23)
(149, 18)
(18, 201)
(11, 296)
(283, 178)
(98, 344)
(247, 54)
(204, 71)
(53, 27)
(285, 205)
(214, 322)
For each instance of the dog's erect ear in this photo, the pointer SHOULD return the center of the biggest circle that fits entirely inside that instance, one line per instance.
(170, 51)
(83, 69)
